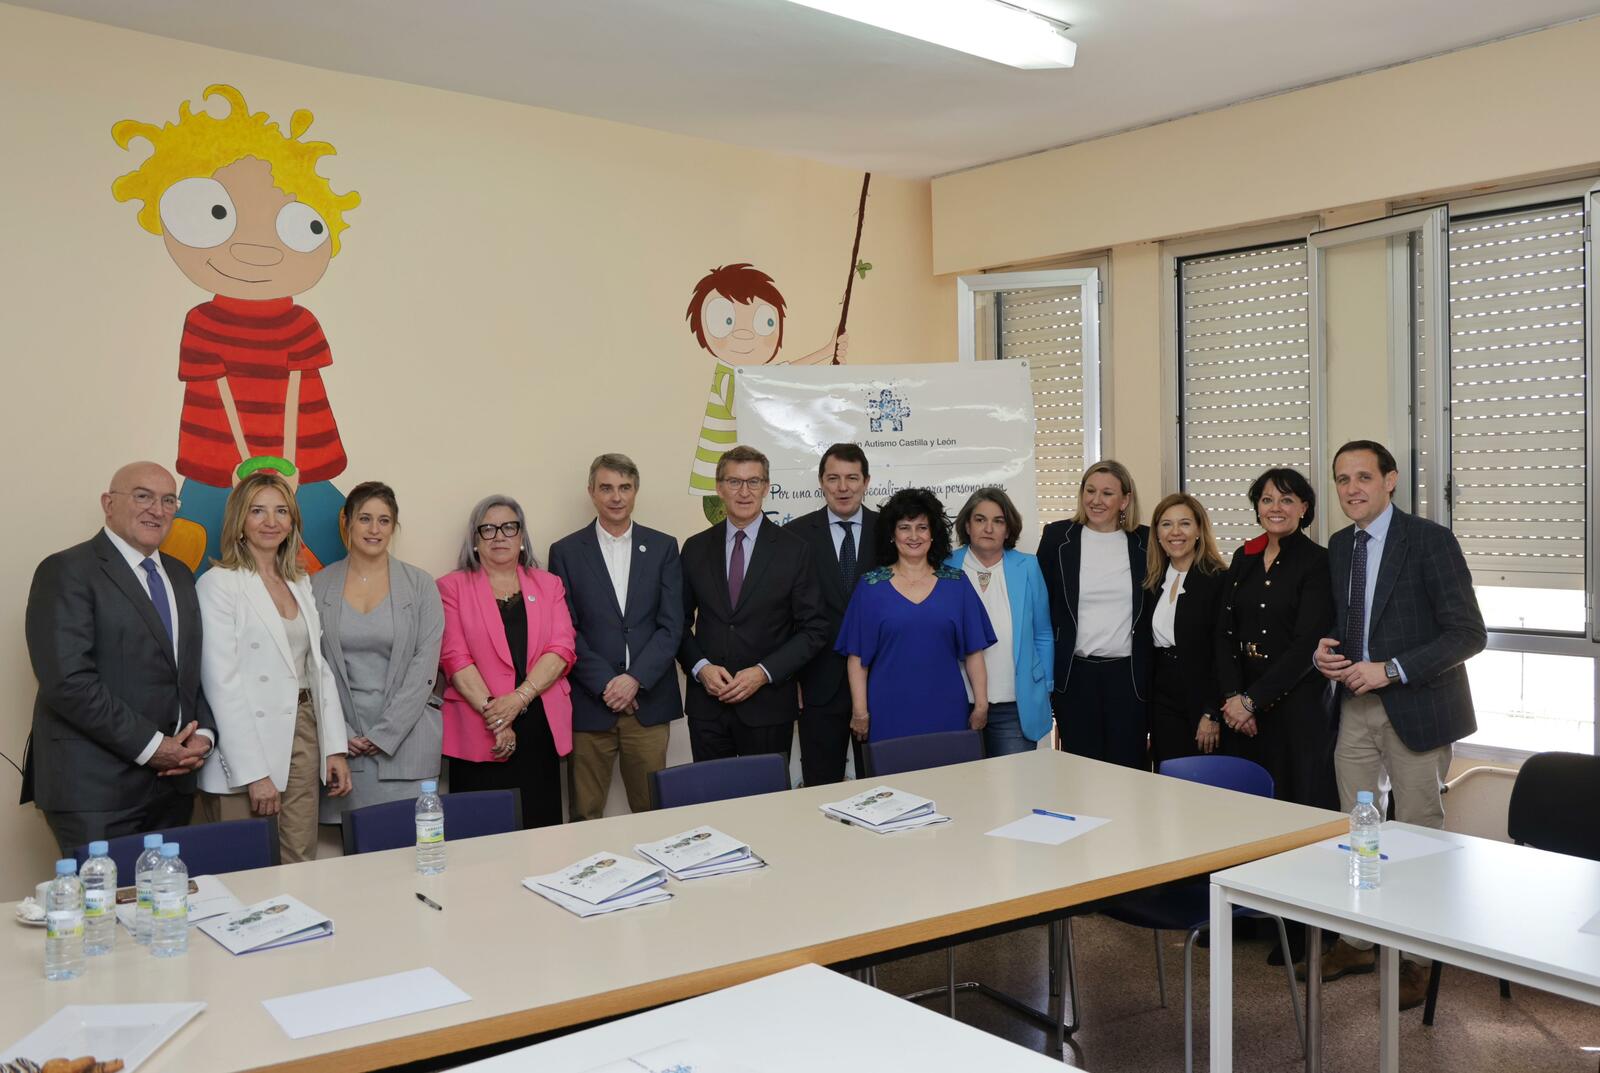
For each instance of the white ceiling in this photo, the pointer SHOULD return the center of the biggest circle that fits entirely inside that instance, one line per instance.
(773, 75)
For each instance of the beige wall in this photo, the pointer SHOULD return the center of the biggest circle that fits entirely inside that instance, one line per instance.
(509, 300)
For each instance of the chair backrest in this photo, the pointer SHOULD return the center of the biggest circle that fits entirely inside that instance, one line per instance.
(920, 751)
(208, 849)
(719, 780)
(1224, 772)
(1555, 804)
(392, 825)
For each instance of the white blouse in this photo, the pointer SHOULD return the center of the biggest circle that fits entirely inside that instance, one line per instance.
(1105, 596)
(1167, 609)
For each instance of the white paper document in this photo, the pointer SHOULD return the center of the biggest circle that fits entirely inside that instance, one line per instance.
(1593, 927)
(1048, 830)
(602, 883)
(679, 1056)
(279, 921)
(210, 899)
(700, 852)
(1396, 845)
(328, 1009)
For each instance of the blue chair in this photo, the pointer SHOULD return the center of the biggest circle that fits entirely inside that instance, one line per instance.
(719, 780)
(918, 752)
(392, 825)
(208, 849)
(1186, 906)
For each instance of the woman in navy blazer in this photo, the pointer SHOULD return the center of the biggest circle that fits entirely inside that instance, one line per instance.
(1012, 590)
(1102, 659)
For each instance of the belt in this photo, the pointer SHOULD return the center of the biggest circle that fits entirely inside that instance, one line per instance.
(1102, 659)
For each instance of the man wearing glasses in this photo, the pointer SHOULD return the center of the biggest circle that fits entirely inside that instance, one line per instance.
(752, 619)
(119, 725)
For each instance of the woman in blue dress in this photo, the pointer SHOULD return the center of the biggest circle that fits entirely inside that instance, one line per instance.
(910, 628)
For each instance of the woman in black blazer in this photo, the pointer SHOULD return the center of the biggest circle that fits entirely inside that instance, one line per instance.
(1185, 579)
(1102, 659)
(1277, 603)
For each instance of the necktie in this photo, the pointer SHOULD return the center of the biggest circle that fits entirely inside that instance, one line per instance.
(736, 568)
(1355, 624)
(158, 595)
(847, 554)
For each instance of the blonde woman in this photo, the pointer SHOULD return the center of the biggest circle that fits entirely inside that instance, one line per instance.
(1094, 567)
(280, 725)
(1184, 575)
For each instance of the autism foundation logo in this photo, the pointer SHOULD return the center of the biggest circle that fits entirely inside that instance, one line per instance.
(887, 412)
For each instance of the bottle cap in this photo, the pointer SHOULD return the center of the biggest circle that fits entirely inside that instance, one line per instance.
(430, 786)
(152, 841)
(66, 866)
(169, 850)
(99, 848)
(1363, 797)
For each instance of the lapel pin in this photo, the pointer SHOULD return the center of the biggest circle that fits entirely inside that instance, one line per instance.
(531, 598)
(641, 547)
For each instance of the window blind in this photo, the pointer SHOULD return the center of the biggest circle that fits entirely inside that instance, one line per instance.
(1245, 374)
(1044, 325)
(1517, 423)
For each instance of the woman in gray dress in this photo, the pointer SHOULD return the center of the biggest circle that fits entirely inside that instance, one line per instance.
(381, 627)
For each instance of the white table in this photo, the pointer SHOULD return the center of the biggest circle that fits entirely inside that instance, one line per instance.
(799, 1021)
(1492, 907)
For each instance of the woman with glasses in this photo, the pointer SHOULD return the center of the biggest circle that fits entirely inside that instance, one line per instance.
(280, 726)
(508, 644)
(911, 628)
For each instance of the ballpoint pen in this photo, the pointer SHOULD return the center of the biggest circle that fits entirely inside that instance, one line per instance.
(429, 902)
(1057, 815)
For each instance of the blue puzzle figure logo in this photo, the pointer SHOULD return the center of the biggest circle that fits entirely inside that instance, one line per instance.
(887, 409)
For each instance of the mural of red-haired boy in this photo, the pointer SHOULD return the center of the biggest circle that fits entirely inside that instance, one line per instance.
(245, 217)
(736, 313)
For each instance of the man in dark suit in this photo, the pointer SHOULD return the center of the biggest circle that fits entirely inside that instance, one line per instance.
(752, 620)
(625, 590)
(120, 724)
(840, 538)
(1405, 623)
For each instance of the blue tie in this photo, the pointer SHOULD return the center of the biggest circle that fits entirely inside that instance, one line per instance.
(847, 554)
(158, 596)
(1355, 624)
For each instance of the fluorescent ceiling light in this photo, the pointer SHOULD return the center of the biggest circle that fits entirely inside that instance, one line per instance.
(993, 29)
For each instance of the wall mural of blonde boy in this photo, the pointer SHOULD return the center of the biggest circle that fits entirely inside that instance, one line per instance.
(246, 218)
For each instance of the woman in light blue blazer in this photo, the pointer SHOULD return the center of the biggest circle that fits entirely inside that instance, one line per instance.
(1011, 586)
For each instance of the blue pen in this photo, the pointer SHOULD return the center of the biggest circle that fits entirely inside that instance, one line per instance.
(1347, 849)
(1057, 815)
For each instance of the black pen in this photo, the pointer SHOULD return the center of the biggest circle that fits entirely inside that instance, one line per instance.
(429, 902)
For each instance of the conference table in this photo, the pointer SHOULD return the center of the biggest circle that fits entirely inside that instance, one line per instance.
(832, 895)
(1515, 912)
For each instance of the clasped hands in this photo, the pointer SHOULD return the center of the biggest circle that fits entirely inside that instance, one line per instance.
(180, 753)
(499, 713)
(731, 688)
(1237, 718)
(1358, 677)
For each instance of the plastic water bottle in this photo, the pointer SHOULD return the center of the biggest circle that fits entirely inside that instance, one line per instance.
(63, 937)
(99, 876)
(169, 900)
(1364, 859)
(430, 830)
(143, 868)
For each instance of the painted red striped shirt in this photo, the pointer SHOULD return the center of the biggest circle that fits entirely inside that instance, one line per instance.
(256, 345)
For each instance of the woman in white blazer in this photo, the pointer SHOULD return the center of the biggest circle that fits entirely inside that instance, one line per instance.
(280, 728)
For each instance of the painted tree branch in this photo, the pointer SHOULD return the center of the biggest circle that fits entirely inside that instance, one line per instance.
(855, 254)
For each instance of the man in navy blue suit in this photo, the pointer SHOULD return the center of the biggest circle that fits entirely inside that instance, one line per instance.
(625, 589)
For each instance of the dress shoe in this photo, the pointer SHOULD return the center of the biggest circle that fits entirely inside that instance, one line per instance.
(1345, 960)
(1413, 985)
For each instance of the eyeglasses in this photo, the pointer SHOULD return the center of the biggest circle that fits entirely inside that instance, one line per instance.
(510, 529)
(733, 484)
(144, 499)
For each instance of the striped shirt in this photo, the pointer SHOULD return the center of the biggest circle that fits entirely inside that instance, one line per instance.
(717, 432)
(255, 345)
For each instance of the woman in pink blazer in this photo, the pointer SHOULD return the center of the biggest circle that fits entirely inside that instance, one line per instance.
(508, 644)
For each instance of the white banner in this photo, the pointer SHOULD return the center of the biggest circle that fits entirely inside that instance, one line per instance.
(952, 428)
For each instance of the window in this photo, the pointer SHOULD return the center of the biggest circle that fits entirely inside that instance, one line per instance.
(1050, 319)
(1244, 367)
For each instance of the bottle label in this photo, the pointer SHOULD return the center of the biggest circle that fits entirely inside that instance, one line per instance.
(144, 895)
(1365, 844)
(63, 923)
(429, 832)
(96, 902)
(171, 906)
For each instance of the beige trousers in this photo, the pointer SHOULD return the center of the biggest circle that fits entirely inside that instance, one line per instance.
(642, 749)
(297, 808)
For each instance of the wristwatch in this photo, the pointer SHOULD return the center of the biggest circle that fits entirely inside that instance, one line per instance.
(1214, 717)
(1391, 670)
(1249, 705)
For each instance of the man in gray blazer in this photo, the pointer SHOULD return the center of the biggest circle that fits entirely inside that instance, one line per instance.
(625, 590)
(1405, 623)
(120, 724)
